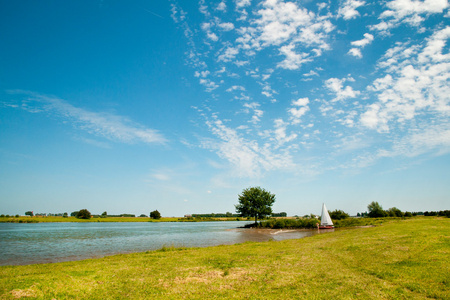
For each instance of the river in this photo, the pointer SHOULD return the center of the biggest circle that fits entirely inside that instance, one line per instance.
(22, 244)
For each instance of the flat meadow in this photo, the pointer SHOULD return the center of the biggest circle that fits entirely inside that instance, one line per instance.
(399, 259)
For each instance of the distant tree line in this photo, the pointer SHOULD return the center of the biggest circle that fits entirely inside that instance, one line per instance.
(231, 215)
(103, 215)
(215, 215)
(279, 215)
(375, 210)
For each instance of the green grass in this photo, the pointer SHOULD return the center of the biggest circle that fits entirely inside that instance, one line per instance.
(401, 259)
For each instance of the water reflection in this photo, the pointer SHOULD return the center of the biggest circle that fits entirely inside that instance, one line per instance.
(54, 242)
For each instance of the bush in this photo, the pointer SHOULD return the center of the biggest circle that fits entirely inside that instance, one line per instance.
(338, 215)
(288, 223)
(83, 214)
(155, 215)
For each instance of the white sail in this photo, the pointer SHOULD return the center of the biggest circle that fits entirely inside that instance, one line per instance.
(325, 220)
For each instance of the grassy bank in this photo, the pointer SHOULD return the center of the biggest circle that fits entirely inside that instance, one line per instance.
(403, 259)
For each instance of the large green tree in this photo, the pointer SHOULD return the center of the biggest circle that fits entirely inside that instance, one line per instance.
(84, 214)
(375, 210)
(255, 202)
(395, 212)
(155, 215)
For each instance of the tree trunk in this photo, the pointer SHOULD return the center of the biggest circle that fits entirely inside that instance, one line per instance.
(256, 220)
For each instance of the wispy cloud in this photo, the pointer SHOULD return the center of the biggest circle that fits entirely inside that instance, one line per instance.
(272, 47)
(409, 90)
(247, 156)
(409, 12)
(348, 9)
(336, 86)
(111, 126)
(368, 38)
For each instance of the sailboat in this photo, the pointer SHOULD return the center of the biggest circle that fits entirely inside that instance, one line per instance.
(325, 220)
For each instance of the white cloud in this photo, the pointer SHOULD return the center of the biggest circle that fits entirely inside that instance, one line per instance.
(246, 156)
(222, 6)
(336, 86)
(285, 25)
(433, 138)
(299, 109)
(242, 3)
(311, 73)
(257, 113)
(209, 84)
(348, 9)
(293, 61)
(211, 35)
(236, 88)
(415, 86)
(281, 21)
(409, 12)
(178, 15)
(203, 8)
(355, 52)
(412, 83)
(203, 74)
(280, 134)
(229, 54)
(107, 125)
(368, 38)
(227, 26)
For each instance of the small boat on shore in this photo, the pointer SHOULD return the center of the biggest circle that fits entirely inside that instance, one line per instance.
(325, 220)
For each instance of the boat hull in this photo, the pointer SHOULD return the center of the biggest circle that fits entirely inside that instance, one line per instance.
(326, 227)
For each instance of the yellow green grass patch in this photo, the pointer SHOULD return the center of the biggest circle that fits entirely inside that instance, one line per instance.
(404, 259)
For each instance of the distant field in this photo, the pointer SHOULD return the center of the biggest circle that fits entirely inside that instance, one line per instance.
(401, 259)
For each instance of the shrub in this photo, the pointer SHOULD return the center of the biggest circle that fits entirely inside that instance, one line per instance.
(155, 215)
(288, 223)
(83, 214)
(338, 215)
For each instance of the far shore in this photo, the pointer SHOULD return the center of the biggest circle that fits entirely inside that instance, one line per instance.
(52, 219)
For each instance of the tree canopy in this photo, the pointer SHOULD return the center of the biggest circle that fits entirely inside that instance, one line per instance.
(255, 202)
(84, 214)
(375, 210)
(155, 215)
(338, 214)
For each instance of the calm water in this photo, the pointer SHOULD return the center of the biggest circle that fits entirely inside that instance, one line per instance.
(54, 242)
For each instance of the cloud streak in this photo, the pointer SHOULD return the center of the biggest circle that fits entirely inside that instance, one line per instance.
(113, 127)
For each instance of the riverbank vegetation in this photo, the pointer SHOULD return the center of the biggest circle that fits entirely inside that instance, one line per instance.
(309, 223)
(402, 259)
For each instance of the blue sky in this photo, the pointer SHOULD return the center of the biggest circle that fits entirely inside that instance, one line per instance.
(127, 107)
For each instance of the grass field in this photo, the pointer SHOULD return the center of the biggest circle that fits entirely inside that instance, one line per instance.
(402, 259)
